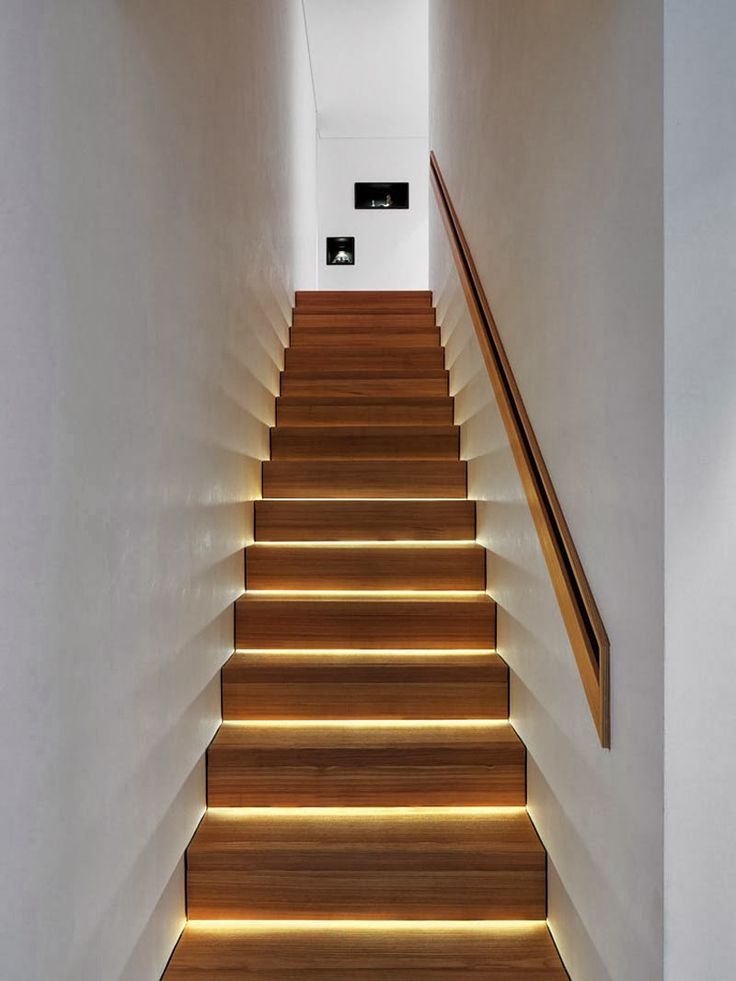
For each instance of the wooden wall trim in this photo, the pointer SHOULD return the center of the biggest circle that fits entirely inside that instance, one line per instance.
(580, 613)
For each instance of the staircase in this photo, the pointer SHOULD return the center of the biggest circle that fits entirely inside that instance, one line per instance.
(366, 792)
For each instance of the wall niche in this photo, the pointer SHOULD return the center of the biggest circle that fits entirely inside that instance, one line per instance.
(341, 251)
(381, 196)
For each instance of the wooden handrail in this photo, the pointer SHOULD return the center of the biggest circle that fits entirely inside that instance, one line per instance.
(580, 614)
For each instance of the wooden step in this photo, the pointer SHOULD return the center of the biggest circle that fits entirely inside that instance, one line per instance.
(364, 478)
(366, 566)
(417, 359)
(396, 411)
(369, 951)
(391, 764)
(359, 685)
(424, 621)
(415, 865)
(321, 521)
(364, 336)
(323, 319)
(365, 443)
(409, 384)
(391, 300)
(376, 319)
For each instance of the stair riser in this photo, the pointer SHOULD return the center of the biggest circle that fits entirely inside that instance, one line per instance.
(364, 479)
(369, 955)
(431, 385)
(310, 624)
(388, 685)
(307, 359)
(467, 894)
(367, 444)
(311, 338)
(393, 301)
(380, 778)
(378, 319)
(413, 700)
(276, 567)
(294, 521)
(364, 412)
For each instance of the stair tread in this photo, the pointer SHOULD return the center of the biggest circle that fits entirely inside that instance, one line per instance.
(365, 431)
(363, 401)
(339, 401)
(371, 667)
(341, 348)
(348, 598)
(370, 374)
(359, 661)
(406, 837)
(371, 735)
(366, 952)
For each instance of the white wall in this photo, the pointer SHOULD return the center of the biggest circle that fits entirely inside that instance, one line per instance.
(547, 122)
(700, 344)
(369, 65)
(369, 70)
(391, 247)
(302, 151)
(146, 258)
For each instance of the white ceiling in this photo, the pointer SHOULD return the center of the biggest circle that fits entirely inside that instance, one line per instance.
(369, 64)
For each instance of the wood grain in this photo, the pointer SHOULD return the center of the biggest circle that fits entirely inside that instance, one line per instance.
(364, 358)
(365, 705)
(412, 384)
(422, 622)
(376, 319)
(415, 866)
(370, 336)
(392, 685)
(364, 478)
(392, 301)
(431, 521)
(407, 952)
(364, 411)
(365, 443)
(366, 567)
(336, 766)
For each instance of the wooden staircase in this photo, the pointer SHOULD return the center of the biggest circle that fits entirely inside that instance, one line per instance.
(366, 793)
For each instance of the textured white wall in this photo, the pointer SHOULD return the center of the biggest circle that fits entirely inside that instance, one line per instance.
(146, 256)
(391, 247)
(700, 344)
(547, 122)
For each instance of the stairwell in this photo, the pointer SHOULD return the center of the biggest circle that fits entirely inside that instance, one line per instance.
(366, 793)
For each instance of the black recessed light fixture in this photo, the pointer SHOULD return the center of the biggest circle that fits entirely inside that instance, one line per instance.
(381, 196)
(341, 251)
